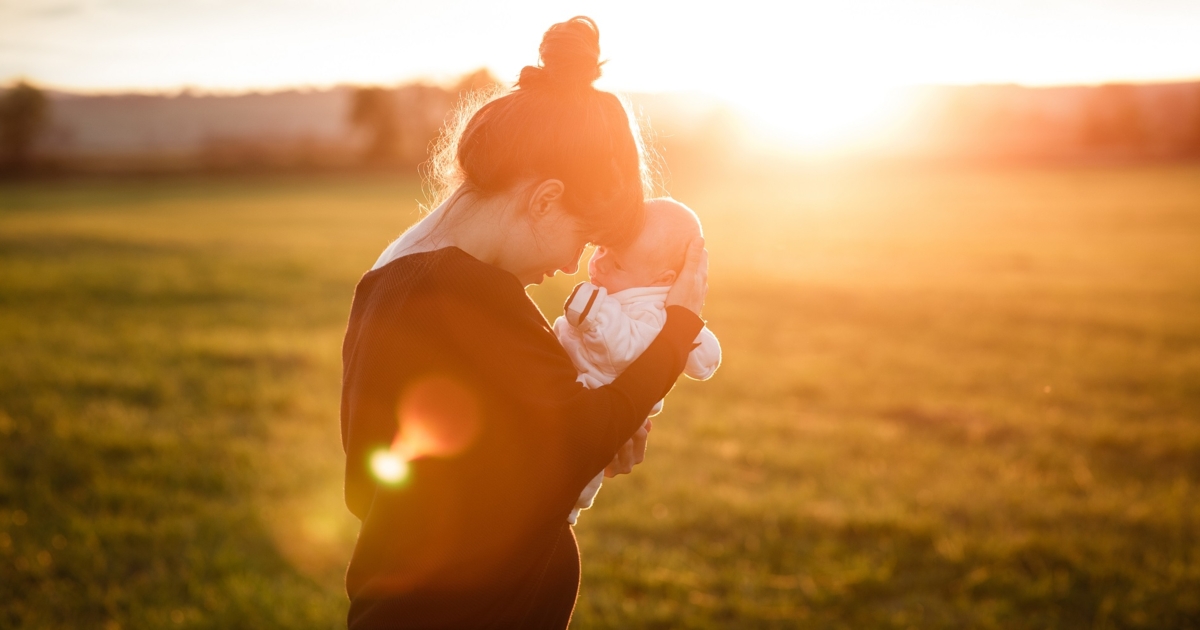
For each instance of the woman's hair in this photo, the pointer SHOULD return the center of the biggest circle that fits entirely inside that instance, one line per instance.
(552, 125)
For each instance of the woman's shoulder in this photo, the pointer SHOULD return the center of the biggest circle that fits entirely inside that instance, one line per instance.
(447, 274)
(450, 299)
(446, 268)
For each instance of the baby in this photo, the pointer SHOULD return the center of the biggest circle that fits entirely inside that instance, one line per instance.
(612, 319)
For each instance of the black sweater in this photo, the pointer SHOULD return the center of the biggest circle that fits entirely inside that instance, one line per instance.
(465, 539)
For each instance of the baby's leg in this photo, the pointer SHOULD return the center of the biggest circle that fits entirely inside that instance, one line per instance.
(587, 497)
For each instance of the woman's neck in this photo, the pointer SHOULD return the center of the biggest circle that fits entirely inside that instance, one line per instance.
(462, 221)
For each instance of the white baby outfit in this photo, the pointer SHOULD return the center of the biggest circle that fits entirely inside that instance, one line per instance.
(603, 333)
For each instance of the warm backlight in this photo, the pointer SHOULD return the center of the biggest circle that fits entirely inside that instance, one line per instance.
(437, 417)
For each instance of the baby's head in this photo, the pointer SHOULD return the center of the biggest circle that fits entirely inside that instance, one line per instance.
(655, 257)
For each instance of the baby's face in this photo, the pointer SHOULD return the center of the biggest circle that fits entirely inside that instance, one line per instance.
(653, 259)
(624, 268)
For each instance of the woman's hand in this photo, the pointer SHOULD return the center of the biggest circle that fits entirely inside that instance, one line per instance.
(691, 287)
(630, 455)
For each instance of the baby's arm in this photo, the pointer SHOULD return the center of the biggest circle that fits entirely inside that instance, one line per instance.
(705, 358)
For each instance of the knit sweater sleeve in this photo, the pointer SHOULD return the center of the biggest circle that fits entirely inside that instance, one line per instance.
(503, 336)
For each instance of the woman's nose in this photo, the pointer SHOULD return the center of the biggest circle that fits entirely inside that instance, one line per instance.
(572, 268)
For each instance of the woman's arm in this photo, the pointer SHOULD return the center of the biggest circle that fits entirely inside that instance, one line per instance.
(703, 362)
(474, 323)
(689, 291)
(526, 365)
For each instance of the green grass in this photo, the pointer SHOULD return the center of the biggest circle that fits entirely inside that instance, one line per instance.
(950, 398)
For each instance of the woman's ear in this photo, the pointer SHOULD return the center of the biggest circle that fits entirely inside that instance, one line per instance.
(546, 197)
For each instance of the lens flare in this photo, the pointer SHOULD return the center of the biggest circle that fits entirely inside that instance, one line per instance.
(388, 467)
(438, 417)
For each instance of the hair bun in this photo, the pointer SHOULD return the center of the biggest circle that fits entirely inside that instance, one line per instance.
(570, 56)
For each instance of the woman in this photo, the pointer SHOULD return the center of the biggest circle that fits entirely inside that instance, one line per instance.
(450, 368)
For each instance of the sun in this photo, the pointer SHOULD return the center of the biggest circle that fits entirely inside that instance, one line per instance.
(821, 118)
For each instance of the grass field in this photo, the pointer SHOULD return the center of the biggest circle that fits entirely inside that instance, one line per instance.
(950, 398)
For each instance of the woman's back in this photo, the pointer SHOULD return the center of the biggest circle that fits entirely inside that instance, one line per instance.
(414, 326)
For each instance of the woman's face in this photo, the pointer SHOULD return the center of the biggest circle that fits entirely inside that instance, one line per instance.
(555, 242)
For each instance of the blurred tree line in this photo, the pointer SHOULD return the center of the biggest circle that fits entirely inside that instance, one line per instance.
(392, 128)
(24, 114)
(1107, 121)
(384, 127)
(398, 125)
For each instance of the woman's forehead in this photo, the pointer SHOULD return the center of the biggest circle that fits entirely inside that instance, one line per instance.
(615, 233)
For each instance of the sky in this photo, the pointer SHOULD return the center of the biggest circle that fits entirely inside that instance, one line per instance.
(768, 56)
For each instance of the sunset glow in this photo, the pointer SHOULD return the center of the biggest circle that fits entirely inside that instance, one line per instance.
(817, 72)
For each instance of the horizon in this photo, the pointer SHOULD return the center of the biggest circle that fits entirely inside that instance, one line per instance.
(449, 80)
(888, 120)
